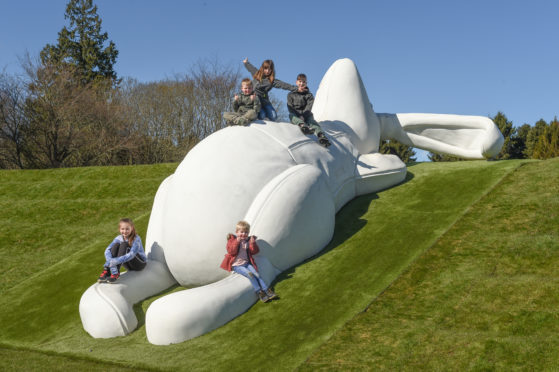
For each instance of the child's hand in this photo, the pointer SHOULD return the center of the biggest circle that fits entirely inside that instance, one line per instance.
(236, 97)
(245, 60)
(252, 97)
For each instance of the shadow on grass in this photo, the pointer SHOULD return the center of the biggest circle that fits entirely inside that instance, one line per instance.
(348, 223)
(138, 308)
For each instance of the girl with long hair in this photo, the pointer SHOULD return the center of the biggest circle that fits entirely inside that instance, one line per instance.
(125, 249)
(264, 81)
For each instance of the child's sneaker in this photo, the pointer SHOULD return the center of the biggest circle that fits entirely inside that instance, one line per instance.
(271, 294)
(113, 278)
(262, 296)
(104, 276)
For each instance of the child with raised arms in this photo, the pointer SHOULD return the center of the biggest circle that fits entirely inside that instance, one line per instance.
(264, 81)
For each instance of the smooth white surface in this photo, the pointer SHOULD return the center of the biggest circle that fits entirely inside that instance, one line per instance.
(106, 310)
(285, 185)
(469, 137)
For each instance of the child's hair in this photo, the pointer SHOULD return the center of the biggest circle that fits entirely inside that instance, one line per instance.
(243, 226)
(302, 77)
(246, 81)
(132, 233)
(260, 73)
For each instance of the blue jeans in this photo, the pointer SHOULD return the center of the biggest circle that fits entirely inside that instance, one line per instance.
(250, 272)
(268, 110)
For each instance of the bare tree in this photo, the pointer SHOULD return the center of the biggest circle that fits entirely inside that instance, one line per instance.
(169, 117)
(69, 123)
(215, 86)
(12, 121)
(54, 119)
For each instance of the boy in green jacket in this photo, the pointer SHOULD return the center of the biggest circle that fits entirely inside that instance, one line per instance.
(299, 104)
(245, 104)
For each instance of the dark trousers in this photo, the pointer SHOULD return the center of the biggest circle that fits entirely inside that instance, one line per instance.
(120, 249)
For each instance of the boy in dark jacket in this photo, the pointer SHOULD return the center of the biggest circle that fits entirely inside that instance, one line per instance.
(299, 104)
(245, 104)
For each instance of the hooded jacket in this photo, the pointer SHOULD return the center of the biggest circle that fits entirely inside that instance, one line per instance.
(232, 247)
(300, 103)
(245, 103)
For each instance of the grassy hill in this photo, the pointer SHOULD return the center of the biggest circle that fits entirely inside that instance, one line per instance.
(452, 269)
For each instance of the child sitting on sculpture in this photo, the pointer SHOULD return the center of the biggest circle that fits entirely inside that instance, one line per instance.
(245, 104)
(299, 105)
(240, 249)
(264, 81)
(125, 249)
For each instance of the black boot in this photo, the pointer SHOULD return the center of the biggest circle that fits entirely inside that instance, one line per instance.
(323, 140)
(305, 129)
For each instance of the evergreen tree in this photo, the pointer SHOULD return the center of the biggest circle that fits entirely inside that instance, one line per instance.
(81, 45)
(404, 152)
(518, 146)
(443, 157)
(548, 142)
(533, 136)
(508, 131)
(71, 120)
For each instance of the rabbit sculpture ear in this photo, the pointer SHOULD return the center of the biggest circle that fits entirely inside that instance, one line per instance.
(342, 97)
(468, 137)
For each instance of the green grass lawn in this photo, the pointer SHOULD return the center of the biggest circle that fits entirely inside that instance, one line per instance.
(483, 297)
(56, 224)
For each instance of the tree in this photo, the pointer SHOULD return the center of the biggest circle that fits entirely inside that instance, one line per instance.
(443, 157)
(508, 131)
(404, 152)
(169, 117)
(72, 119)
(69, 124)
(548, 142)
(533, 136)
(81, 45)
(518, 142)
(12, 122)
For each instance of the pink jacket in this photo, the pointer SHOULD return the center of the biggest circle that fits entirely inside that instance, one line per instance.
(233, 249)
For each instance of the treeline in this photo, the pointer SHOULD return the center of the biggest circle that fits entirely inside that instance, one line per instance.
(70, 109)
(49, 119)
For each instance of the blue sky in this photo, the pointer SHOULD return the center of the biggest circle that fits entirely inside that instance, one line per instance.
(474, 57)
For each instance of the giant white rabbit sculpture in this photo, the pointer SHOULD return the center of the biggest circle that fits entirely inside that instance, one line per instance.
(285, 185)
